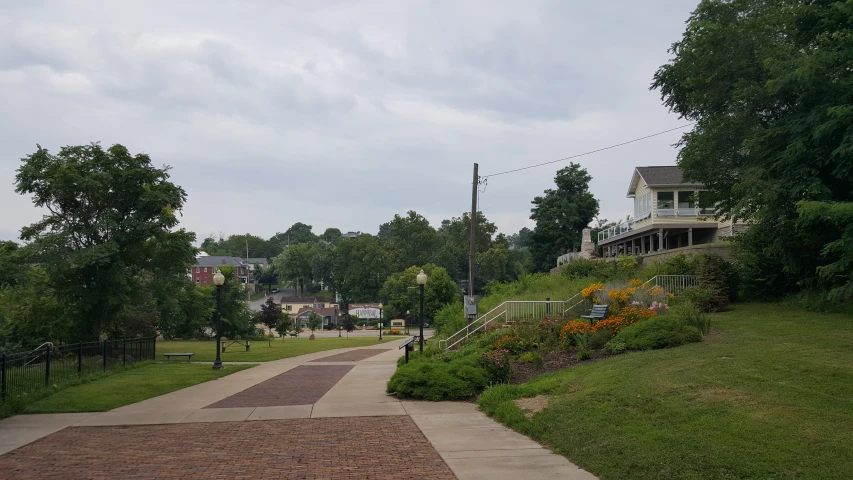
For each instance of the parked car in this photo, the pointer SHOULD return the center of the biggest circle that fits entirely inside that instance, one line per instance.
(274, 290)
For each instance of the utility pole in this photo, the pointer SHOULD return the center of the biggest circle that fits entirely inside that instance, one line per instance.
(472, 247)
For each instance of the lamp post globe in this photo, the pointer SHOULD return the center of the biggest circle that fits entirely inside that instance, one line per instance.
(380, 322)
(422, 280)
(218, 280)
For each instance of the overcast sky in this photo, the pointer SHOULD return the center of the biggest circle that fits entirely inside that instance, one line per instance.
(340, 113)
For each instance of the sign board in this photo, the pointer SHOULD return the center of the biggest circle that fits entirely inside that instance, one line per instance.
(470, 305)
(366, 312)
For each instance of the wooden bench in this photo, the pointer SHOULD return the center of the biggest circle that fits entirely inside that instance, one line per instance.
(170, 355)
(599, 312)
(238, 343)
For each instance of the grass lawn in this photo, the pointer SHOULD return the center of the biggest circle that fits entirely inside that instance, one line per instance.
(129, 386)
(769, 394)
(205, 350)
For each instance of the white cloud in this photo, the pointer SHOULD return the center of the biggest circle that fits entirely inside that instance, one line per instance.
(340, 113)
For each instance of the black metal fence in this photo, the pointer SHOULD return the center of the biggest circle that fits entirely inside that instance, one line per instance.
(25, 372)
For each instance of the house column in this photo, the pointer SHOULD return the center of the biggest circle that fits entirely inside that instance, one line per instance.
(660, 240)
(689, 237)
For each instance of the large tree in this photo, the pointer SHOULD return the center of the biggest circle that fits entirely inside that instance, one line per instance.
(401, 295)
(411, 239)
(560, 216)
(770, 87)
(110, 218)
(361, 266)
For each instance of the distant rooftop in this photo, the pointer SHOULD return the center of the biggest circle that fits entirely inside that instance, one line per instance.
(658, 176)
(212, 260)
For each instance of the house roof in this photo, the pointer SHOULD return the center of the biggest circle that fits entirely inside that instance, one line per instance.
(305, 300)
(215, 260)
(323, 312)
(260, 260)
(658, 176)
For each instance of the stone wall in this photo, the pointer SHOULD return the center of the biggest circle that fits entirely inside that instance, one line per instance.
(722, 249)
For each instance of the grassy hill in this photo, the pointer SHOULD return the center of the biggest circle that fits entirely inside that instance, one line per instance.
(769, 394)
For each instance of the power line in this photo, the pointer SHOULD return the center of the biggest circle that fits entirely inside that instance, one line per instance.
(591, 151)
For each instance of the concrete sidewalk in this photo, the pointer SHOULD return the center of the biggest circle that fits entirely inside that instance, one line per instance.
(472, 445)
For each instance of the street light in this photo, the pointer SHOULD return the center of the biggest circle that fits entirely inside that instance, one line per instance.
(218, 280)
(380, 322)
(422, 279)
(408, 321)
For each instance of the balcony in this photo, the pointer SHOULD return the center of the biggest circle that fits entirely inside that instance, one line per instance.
(615, 231)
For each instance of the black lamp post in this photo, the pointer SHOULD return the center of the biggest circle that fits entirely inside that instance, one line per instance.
(218, 280)
(408, 321)
(380, 331)
(422, 280)
(339, 331)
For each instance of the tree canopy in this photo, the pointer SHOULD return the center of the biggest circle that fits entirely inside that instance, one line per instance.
(399, 295)
(109, 228)
(770, 88)
(561, 215)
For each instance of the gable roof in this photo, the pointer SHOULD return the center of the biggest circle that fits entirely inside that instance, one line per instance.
(215, 260)
(658, 176)
(303, 300)
(323, 312)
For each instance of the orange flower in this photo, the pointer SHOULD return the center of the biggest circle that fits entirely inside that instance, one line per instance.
(574, 327)
(591, 289)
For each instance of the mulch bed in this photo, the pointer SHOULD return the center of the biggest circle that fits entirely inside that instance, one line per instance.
(553, 361)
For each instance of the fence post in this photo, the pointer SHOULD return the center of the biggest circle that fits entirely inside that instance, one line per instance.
(80, 357)
(3, 377)
(548, 305)
(47, 368)
(154, 347)
(105, 355)
(124, 352)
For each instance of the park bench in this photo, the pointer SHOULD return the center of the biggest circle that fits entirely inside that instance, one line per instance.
(237, 342)
(599, 312)
(294, 334)
(170, 355)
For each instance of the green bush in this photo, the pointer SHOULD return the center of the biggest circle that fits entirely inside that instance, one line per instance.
(681, 264)
(615, 347)
(599, 338)
(585, 354)
(449, 377)
(450, 319)
(584, 268)
(705, 298)
(718, 276)
(658, 332)
(533, 358)
(689, 314)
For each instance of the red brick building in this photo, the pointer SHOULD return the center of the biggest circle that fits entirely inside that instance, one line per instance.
(204, 269)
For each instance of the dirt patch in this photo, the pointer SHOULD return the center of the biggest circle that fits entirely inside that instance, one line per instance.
(725, 395)
(532, 406)
(552, 361)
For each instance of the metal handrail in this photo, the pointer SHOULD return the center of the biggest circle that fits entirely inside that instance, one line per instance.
(503, 309)
(672, 283)
(35, 350)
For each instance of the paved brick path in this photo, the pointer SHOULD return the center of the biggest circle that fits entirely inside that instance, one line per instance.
(302, 385)
(321, 448)
(353, 356)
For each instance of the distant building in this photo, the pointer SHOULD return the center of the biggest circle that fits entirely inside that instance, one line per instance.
(669, 212)
(206, 266)
(350, 234)
(292, 305)
(331, 316)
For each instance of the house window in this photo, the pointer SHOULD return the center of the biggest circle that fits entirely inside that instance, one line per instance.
(197, 269)
(197, 280)
(205, 269)
(686, 203)
(288, 308)
(706, 206)
(666, 200)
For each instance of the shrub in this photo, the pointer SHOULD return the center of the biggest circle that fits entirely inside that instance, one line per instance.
(658, 332)
(717, 273)
(615, 347)
(533, 358)
(395, 332)
(497, 364)
(583, 268)
(599, 337)
(706, 298)
(585, 354)
(440, 378)
(689, 314)
(571, 330)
